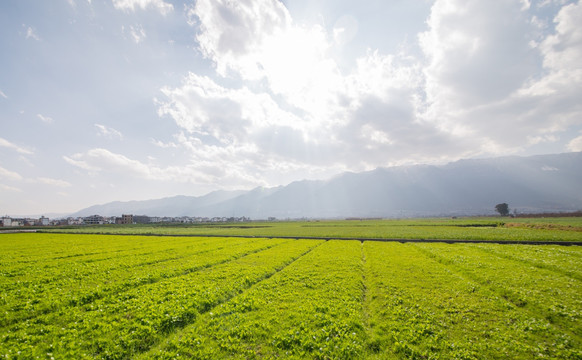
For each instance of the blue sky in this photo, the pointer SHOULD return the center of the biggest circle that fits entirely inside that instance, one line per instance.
(139, 99)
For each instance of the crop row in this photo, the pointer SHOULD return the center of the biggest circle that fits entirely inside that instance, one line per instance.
(388, 300)
(549, 295)
(81, 282)
(423, 308)
(22, 273)
(31, 248)
(564, 260)
(146, 297)
(313, 309)
(121, 325)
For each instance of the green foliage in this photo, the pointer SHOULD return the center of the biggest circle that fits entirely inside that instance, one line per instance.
(129, 321)
(478, 228)
(117, 297)
(312, 309)
(462, 302)
(502, 209)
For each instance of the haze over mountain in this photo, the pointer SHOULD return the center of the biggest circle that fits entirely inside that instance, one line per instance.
(466, 187)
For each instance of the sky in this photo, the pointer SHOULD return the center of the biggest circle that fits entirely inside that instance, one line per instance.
(106, 100)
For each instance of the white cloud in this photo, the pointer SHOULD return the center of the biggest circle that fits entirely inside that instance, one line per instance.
(370, 117)
(160, 5)
(483, 79)
(229, 115)
(76, 160)
(98, 160)
(31, 33)
(162, 144)
(108, 132)
(554, 98)
(278, 101)
(575, 144)
(277, 98)
(52, 182)
(232, 33)
(478, 52)
(345, 29)
(211, 168)
(238, 129)
(7, 144)
(533, 140)
(45, 119)
(14, 176)
(10, 175)
(258, 40)
(137, 33)
(106, 160)
(10, 188)
(562, 52)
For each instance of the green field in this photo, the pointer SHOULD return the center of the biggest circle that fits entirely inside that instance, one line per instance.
(76, 296)
(499, 229)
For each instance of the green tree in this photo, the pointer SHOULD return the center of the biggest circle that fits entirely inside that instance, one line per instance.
(502, 209)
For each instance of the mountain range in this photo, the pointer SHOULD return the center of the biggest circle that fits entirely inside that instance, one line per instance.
(541, 183)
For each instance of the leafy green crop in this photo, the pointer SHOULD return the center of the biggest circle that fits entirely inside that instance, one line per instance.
(75, 296)
(566, 229)
(131, 321)
(455, 306)
(313, 309)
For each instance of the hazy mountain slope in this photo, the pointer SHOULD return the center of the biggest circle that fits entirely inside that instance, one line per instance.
(171, 206)
(536, 183)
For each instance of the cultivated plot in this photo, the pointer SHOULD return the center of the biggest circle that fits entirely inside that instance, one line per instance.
(120, 297)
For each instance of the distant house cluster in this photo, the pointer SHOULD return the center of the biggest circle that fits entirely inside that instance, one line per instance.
(120, 220)
(16, 222)
(144, 219)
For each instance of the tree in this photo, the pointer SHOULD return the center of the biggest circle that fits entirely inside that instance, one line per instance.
(502, 209)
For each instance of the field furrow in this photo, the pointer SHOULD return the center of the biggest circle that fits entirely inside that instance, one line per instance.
(552, 298)
(24, 261)
(83, 268)
(418, 308)
(116, 327)
(563, 260)
(118, 297)
(29, 248)
(312, 309)
(33, 299)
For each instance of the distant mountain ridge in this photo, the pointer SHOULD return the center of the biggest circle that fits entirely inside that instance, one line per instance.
(465, 187)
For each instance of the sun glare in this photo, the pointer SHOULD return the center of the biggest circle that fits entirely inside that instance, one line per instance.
(297, 66)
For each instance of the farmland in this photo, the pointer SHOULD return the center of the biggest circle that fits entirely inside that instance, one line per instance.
(91, 296)
(499, 229)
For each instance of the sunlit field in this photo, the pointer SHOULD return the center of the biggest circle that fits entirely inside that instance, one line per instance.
(227, 179)
(92, 296)
(499, 229)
